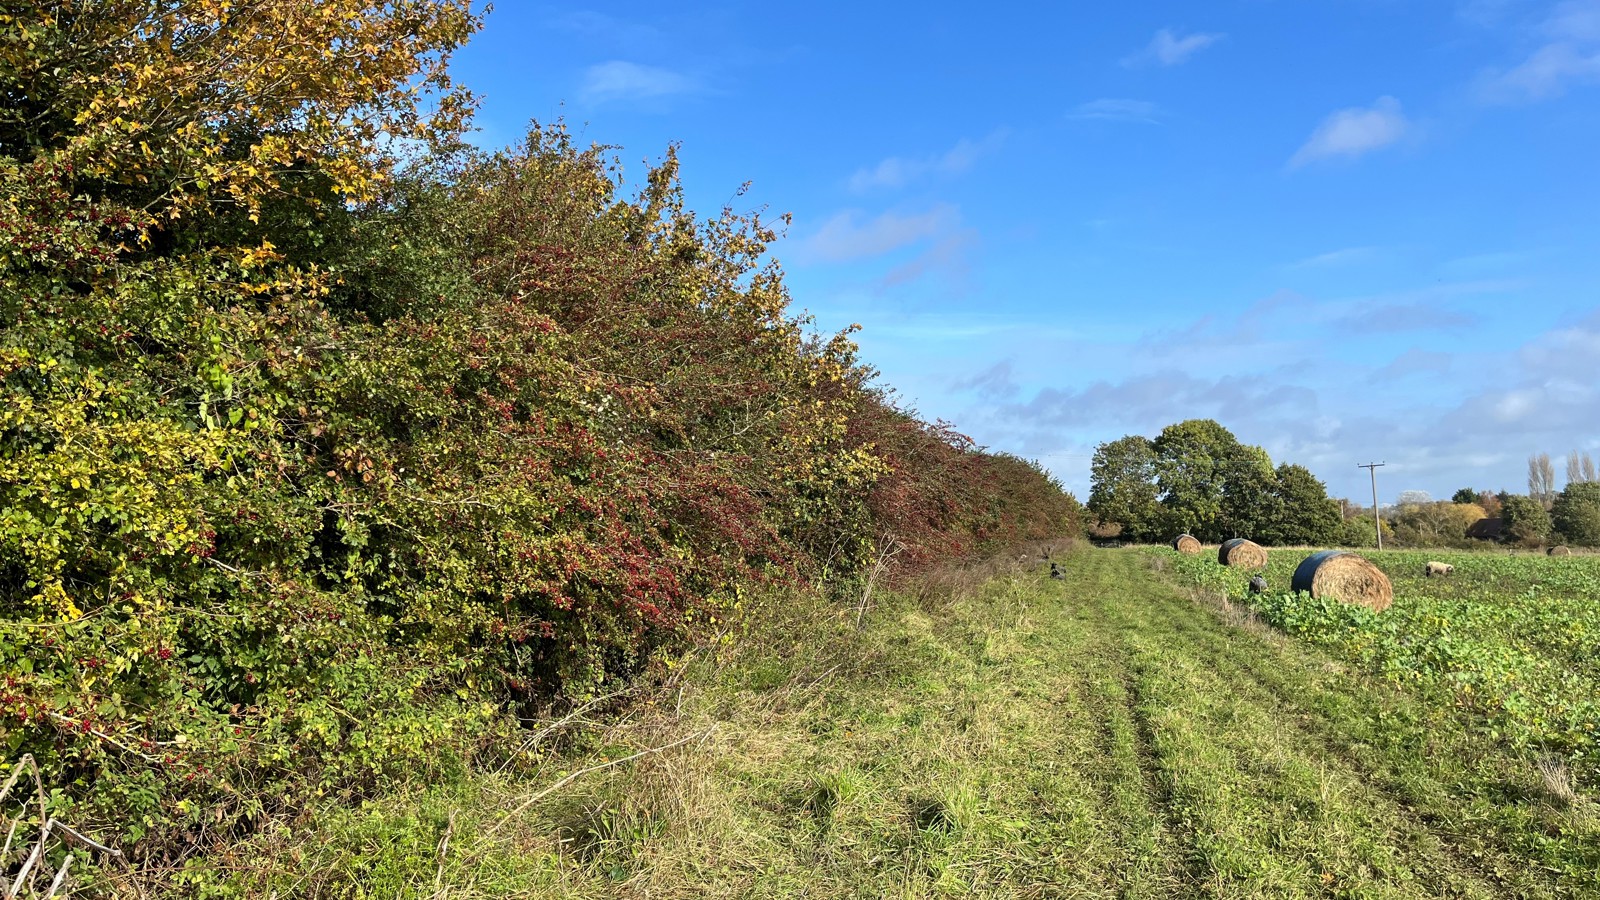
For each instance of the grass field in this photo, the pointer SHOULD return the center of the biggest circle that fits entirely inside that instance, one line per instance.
(1118, 733)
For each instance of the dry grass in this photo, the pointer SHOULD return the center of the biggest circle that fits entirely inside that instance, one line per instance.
(1230, 613)
(1100, 734)
(1556, 776)
(962, 581)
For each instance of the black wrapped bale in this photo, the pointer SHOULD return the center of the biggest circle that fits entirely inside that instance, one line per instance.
(1343, 576)
(1242, 554)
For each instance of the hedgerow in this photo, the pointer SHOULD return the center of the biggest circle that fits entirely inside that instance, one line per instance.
(318, 467)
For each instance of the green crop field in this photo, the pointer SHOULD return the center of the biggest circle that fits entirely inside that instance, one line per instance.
(1511, 641)
(1121, 732)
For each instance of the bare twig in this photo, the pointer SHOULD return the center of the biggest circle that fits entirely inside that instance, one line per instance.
(575, 717)
(25, 879)
(444, 848)
(888, 549)
(68, 720)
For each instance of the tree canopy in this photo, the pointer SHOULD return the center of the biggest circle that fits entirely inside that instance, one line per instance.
(1524, 519)
(1576, 514)
(1195, 477)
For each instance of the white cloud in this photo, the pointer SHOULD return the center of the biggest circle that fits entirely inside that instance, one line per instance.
(1353, 132)
(1161, 398)
(619, 80)
(1547, 73)
(1568, 56)
(848, 235)
(1112, 109)
(1170, 48)
(898, 171)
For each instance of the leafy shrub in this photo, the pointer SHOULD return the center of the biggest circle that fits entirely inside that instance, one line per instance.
(316, 469)
(1526, 521)
(1576, 513)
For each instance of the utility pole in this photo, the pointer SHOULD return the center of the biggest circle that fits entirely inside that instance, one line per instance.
(1377, 523)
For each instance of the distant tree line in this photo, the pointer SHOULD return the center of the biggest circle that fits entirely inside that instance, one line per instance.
(1542, 517)
(1197, 478)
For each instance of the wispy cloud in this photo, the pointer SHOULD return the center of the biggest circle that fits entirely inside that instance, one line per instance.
(898, 171)
(1332, 258)
(1415, 361)
(1547, 73)
(1354, 132)
(1152, 400)
(948, 256)
(1171, 47)
(620, 80)
(1113, 109)
(1573, 20)
(997, 382)
(1392, 318)
(1487, 13)
(850, 235)
(1568, 55)
(626, 31)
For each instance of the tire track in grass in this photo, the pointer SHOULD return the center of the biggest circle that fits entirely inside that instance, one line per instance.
(1035, 776)
(1133, 793)
(1234, 771)
(1321, 739)
(1504, 851)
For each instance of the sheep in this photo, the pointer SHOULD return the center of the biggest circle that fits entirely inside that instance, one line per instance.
(1258, 585)
(1434, 569)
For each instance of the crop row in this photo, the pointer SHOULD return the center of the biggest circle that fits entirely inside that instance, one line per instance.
(1512, 641)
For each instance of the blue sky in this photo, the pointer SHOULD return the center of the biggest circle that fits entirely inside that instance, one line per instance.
(1349, 230)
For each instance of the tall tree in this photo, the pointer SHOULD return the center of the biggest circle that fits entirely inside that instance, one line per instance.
(1251, 501)
(1305, 513)
(1541, 479)
(1576, 514)
(1123, 487)
(1525, 519)
(1580, 467)
(1490, 501)
(1193, 459)
(1465, 495)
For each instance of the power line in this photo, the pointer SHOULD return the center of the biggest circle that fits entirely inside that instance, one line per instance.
(1377, 523)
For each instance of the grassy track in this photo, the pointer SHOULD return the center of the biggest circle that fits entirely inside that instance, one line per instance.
(1110, 735)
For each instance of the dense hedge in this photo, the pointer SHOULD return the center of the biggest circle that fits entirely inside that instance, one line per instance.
(315, 469)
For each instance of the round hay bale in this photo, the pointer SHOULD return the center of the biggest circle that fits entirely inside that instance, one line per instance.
(1560, 550)
(1343, 576)
(1186, 544)
(1242, 554)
